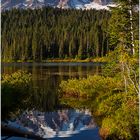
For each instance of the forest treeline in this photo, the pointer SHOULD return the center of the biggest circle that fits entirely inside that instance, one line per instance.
(54, 33)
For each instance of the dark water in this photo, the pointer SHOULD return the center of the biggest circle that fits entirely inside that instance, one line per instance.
(69, 123)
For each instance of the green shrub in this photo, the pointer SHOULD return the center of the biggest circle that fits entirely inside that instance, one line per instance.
(116, 111)
(123, 123)
(93, 85)
(15, 89)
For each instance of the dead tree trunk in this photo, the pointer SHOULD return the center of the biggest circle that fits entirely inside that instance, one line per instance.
(131, 27)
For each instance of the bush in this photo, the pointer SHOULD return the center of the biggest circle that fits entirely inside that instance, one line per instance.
(90, 87)
(116, 111)
(15, 89)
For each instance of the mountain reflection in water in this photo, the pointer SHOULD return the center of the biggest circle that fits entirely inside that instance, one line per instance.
(60, 123)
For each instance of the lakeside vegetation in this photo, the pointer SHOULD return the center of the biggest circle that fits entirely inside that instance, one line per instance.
(114, 104)
(15, 90)
(19, 93)
(37, 35)
(113, 96)
(97, 59)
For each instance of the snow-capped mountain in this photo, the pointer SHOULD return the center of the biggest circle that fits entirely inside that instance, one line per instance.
(78, 4)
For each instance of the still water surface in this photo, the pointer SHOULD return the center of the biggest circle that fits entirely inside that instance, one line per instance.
(67, 123)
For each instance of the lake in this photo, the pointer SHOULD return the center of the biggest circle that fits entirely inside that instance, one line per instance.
(45, 115)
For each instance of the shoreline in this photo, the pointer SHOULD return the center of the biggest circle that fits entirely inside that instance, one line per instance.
(94, 60)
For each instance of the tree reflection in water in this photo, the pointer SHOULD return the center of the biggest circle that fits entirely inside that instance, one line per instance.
(43, 97)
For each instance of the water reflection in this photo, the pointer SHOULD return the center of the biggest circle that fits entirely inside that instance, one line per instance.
(60, 69)
(46, 78)
(49, 75)
(61, 123)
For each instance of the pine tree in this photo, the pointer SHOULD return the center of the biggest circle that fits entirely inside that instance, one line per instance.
(127, 8)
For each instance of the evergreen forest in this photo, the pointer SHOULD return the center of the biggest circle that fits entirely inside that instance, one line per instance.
(54, 33)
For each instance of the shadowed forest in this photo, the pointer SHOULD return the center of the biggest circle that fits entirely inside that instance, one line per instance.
(54, 33)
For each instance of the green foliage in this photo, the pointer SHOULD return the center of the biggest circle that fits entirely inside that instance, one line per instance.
(54, 33)
(122, 122)
(114, 94)
(115, 110)
(14, 90)
(133, 2)
(93, 85)
(123, 26)
(119, 111)
(18, 80)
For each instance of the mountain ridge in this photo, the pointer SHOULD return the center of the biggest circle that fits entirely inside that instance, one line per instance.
(64, 4)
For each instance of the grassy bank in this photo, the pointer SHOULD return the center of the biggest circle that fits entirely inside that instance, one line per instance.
(99, 59)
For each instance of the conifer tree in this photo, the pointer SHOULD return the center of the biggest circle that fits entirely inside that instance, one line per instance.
(127, 9)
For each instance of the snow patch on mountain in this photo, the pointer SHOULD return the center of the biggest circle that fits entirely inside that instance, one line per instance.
(97, 6)
(64, 4)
